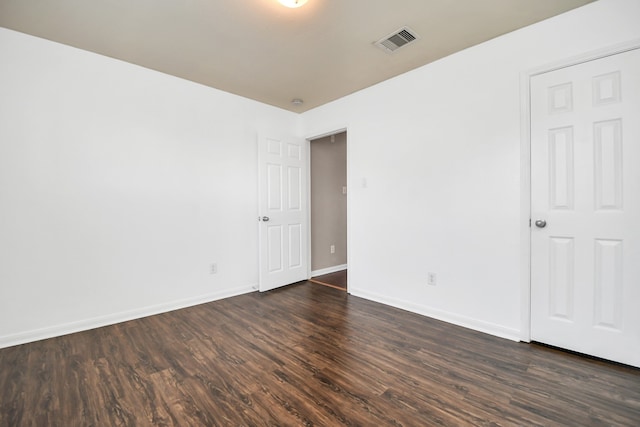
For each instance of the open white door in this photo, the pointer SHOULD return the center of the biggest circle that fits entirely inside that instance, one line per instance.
(585, 199)
(282, 194)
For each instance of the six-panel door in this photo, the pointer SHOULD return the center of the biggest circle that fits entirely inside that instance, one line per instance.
(283, 212)
(585, 165)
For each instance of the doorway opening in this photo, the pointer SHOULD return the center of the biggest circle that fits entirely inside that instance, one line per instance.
(328, 210)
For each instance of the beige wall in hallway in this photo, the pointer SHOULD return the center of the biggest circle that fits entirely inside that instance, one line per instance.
(328, 203)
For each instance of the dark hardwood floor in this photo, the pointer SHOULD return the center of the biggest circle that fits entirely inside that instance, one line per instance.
(337, 279)
(305, 355)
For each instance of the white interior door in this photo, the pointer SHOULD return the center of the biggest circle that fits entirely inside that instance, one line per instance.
(585, 184)
(282, 172)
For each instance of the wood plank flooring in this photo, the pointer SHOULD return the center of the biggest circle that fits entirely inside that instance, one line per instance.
(337, 279)
(305, 355)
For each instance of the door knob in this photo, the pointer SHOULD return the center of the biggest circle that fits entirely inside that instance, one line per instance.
(541, 223)
(265, 218)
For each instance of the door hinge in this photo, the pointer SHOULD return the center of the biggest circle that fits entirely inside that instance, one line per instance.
(529, 222)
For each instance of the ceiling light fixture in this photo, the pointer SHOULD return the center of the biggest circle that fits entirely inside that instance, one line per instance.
(292, 3)
(297, 101)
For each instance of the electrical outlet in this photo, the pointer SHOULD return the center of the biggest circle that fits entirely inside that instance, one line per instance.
(431, 279)
(332, 249)
(213, 268)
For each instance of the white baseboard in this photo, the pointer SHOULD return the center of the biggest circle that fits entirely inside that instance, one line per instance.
(445, 316)
(328, 270)
(110, 319)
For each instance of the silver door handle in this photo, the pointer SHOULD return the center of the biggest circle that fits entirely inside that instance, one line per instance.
(265, 218)
(541, 223)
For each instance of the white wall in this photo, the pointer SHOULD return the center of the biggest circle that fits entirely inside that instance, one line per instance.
(118, 187)
(439, 148)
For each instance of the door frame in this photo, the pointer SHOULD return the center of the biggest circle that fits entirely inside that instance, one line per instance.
(308, 139)
(525, 167)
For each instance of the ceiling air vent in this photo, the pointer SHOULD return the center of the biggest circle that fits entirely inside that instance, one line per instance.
(397, 39)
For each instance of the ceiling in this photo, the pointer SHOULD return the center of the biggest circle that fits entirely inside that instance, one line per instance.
(262, 50)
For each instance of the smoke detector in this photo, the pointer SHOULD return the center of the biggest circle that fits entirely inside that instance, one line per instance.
(397, 39)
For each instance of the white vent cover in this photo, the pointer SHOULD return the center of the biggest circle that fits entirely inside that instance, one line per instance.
(397, 39)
